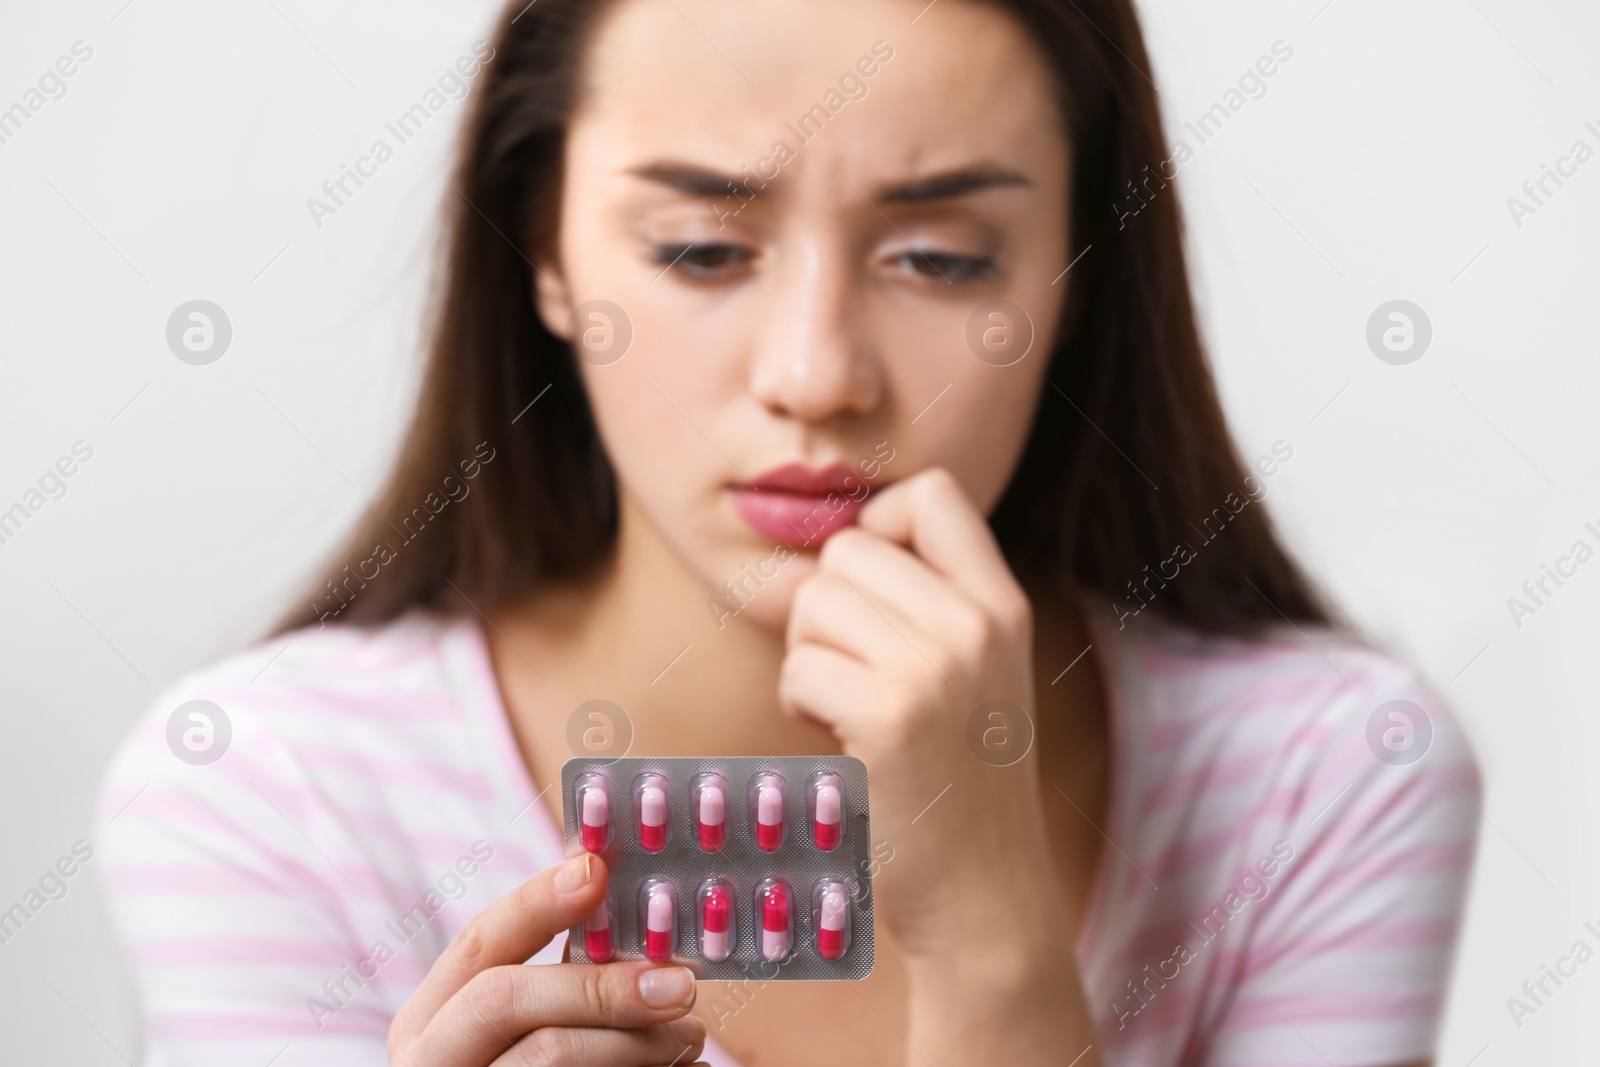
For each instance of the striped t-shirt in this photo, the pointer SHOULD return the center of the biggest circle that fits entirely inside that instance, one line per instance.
(1291, 826)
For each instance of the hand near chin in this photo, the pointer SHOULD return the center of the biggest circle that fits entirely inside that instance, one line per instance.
(911, 622)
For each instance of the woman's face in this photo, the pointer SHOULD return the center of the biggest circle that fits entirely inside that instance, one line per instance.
(831, 322)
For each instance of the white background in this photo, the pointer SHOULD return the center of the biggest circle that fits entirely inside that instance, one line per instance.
(1377, 166)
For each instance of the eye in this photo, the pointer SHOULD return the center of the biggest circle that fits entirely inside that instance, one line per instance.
(700, 261)
(946, 266)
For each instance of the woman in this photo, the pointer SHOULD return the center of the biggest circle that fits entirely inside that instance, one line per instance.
(798, 387)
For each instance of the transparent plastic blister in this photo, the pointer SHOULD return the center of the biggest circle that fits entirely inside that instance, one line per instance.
(780, 890)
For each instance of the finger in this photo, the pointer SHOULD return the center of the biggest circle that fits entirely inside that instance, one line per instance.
(930, 513)
(829, 610)
(503, 1004)
(827, 685)
(893, 580)
(508, 931)
(672, 1043)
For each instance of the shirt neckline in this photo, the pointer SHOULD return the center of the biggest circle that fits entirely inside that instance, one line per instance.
(508, 772)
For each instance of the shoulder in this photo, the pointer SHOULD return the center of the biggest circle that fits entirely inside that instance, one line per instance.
(1293, 696)
(311, 686)
(338, 661)
(318, 721)
(1303, 738)
(268, 814)
(1308, 805)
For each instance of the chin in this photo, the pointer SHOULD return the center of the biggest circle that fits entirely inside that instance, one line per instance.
(759, 590)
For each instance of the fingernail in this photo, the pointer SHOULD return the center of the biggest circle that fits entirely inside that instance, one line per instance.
(667, 987)
(689, 1029)
(574, 874)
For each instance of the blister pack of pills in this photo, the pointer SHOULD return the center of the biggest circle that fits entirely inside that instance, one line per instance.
(734, 867)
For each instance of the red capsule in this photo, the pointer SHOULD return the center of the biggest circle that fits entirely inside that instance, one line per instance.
(717, 923)
(597, 934)
(653, 818)
(827, 819)
(775, 921)
(658, 923)
(596, 819)
(769, 817)
(711, 816)
(831, 925)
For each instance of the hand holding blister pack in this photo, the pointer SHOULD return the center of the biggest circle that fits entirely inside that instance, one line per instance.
(733, 867)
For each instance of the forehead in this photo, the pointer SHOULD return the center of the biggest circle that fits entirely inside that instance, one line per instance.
(723, 81)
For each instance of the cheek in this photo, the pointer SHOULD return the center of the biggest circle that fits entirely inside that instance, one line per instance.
(636, 426)
(979, 416)
(983, 439)
(665, 472)
(962, 412)
(671, 419)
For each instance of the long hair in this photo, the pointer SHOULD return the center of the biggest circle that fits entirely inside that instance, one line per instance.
(1128, 464)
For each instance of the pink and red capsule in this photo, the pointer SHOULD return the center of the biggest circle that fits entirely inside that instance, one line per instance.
(830, 916)
(766, 810)
(825, 801)
(777, 920)
(594, 812)
(708, 804)
(716, 920)
(597, 933)
(650, 811)
(658, 918)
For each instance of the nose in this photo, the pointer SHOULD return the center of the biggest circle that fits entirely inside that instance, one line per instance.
(812, 361)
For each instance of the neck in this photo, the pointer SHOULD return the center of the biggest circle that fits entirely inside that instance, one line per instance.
(639, 633)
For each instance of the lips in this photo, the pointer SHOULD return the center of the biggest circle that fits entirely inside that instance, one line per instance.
(799, 506)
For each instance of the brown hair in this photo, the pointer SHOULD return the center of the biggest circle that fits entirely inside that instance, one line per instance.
(1128, 449)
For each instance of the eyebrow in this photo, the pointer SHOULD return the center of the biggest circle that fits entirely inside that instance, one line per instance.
(686, 178)
(950, 184)
(692, 180)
